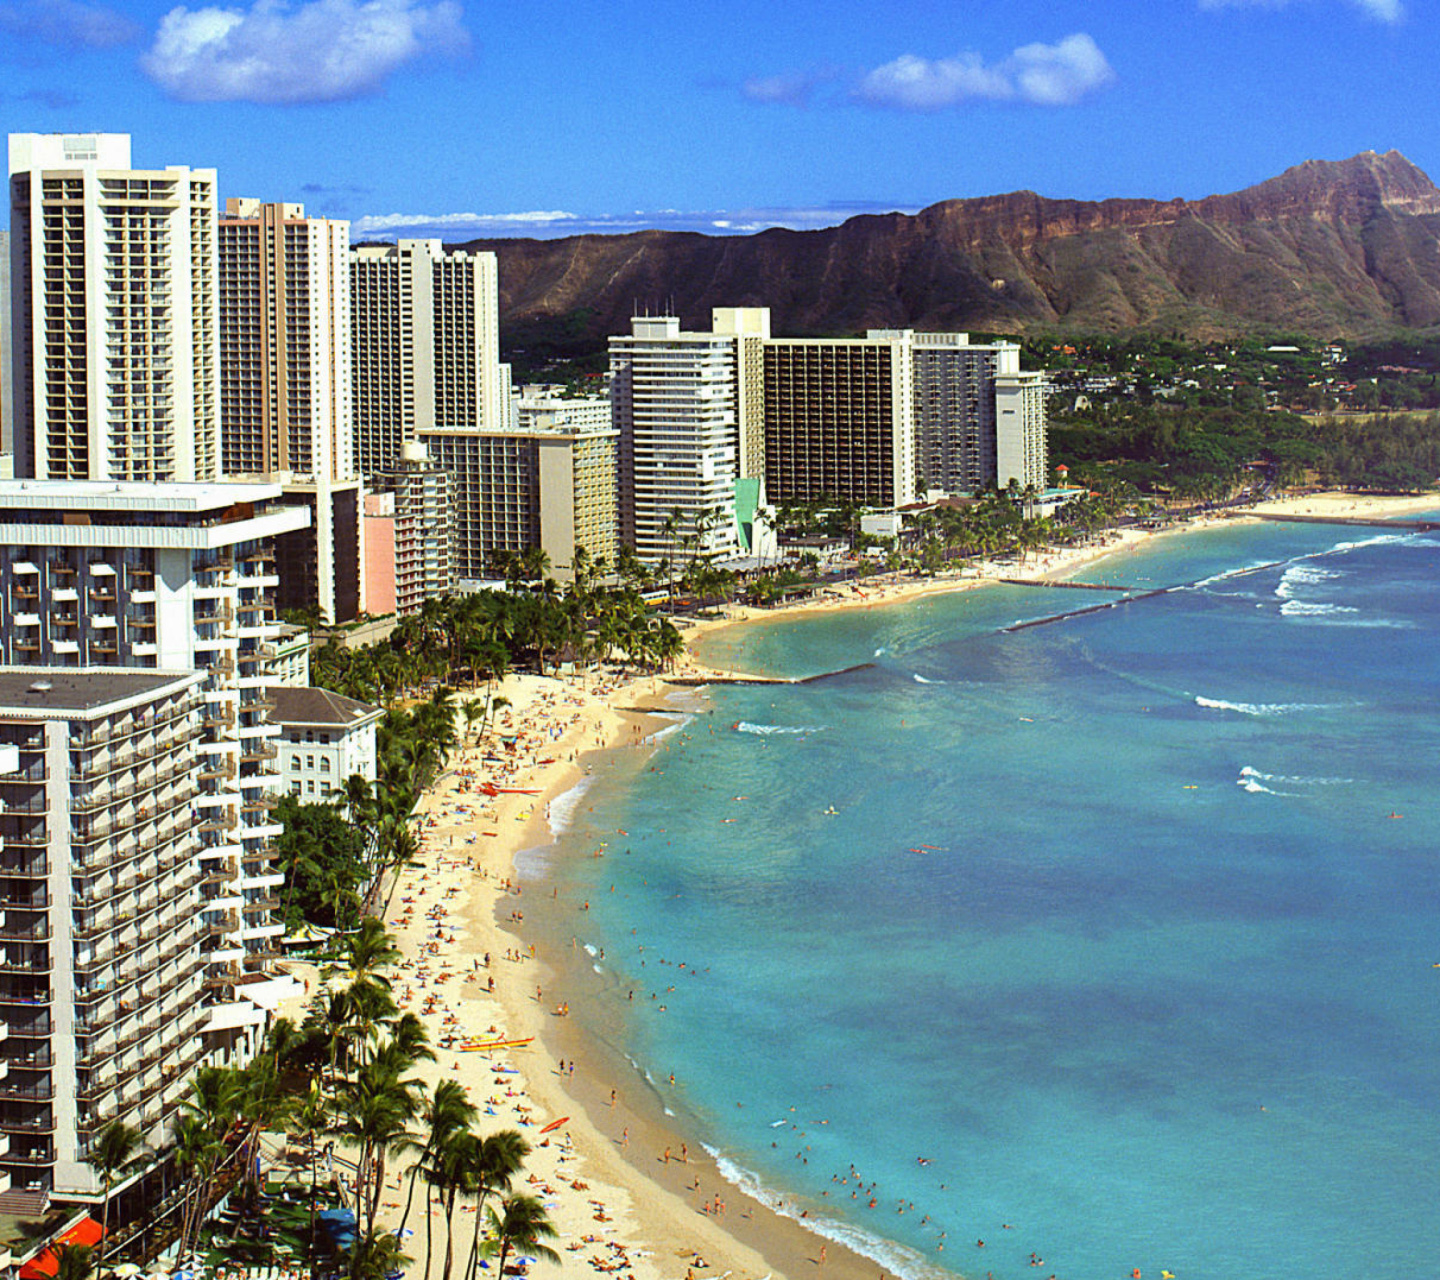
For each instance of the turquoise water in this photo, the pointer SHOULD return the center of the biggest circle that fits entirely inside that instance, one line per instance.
(1107, 921)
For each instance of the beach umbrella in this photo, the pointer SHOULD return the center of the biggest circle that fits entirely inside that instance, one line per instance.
(127, 1271)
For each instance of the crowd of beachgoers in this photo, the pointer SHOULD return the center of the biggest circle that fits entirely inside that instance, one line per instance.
(629, 1195)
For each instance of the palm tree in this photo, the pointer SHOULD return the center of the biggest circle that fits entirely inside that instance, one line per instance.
(448, 1113)
(474, 711)
(313, 1118)
(495, 1162)
(374, 1255)
(114, 1149)
(376, 1107)
(521, 1224)
(74, 1262)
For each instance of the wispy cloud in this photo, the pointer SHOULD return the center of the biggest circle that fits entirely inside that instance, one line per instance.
(67, 23)
(552, 224)
(1387, 11)
(323, 51)
(1051, 75)
(793, 88)
(54, 99)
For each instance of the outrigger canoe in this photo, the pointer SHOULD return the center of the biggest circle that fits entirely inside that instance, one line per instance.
(479, 1046)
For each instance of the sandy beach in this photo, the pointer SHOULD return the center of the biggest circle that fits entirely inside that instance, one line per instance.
(629, 1193)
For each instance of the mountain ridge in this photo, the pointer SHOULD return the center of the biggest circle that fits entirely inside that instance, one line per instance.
(1347, 248)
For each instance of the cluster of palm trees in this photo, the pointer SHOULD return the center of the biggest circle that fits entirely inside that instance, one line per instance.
(1000, 522)
(346, 1074)
(476, 638)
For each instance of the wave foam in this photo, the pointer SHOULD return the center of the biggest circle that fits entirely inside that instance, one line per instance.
(1260, 708)
(1256, 788)
(1227, 574)
(895, 1259)
(564, 806)
(1249, 771)
(765, 730)
(1313, 609)
(919, 679)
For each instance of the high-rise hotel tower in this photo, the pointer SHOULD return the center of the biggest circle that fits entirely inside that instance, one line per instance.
(116, 372)
(285, 389)
(426, 332)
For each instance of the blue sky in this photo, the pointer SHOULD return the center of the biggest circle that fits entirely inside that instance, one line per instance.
(460, 118)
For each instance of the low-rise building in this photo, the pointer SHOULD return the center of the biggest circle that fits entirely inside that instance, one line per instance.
(292, 656)
(324, 738)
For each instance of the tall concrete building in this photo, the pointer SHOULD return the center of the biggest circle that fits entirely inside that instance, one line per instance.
(285, 388)
(103, 982)
(1020, 427)
(285, 366)
(840, 421)
(176, 577)
(426, 346)
(7, 360)
(113, 287)
(881, 420)
(963, 439)
(684, 404)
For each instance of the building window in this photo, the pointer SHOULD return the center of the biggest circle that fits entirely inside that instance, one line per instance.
(309, 762)
(294, 762)
(310, 787)
(295, 787)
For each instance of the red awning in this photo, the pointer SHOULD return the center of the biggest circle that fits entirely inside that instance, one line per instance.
(44, 1265)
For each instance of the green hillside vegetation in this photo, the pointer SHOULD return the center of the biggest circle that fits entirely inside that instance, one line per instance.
(1210, 453)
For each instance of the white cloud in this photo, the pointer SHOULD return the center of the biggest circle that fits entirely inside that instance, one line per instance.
(66, 22)
(1387, 11)
(1049, 75)
(323, 51)
(553, 223)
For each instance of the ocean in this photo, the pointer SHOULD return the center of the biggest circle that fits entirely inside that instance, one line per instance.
(1110, 943)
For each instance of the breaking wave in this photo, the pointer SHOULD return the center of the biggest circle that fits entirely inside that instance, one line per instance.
(894, 1259)
(1260, 708)
(765, 730)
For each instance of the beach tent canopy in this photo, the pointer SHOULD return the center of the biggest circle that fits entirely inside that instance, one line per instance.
(44, 1265)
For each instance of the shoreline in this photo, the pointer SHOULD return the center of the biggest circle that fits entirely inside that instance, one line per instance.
(622, 1208)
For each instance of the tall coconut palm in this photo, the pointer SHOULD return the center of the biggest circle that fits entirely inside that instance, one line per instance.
(312, 1118)
(448, 1112)
(114, 1150)
(495, 1162)
(375, 1107)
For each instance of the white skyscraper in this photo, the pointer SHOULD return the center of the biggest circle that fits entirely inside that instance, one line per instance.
(684, 404)
(116, 369)
(426, 348)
